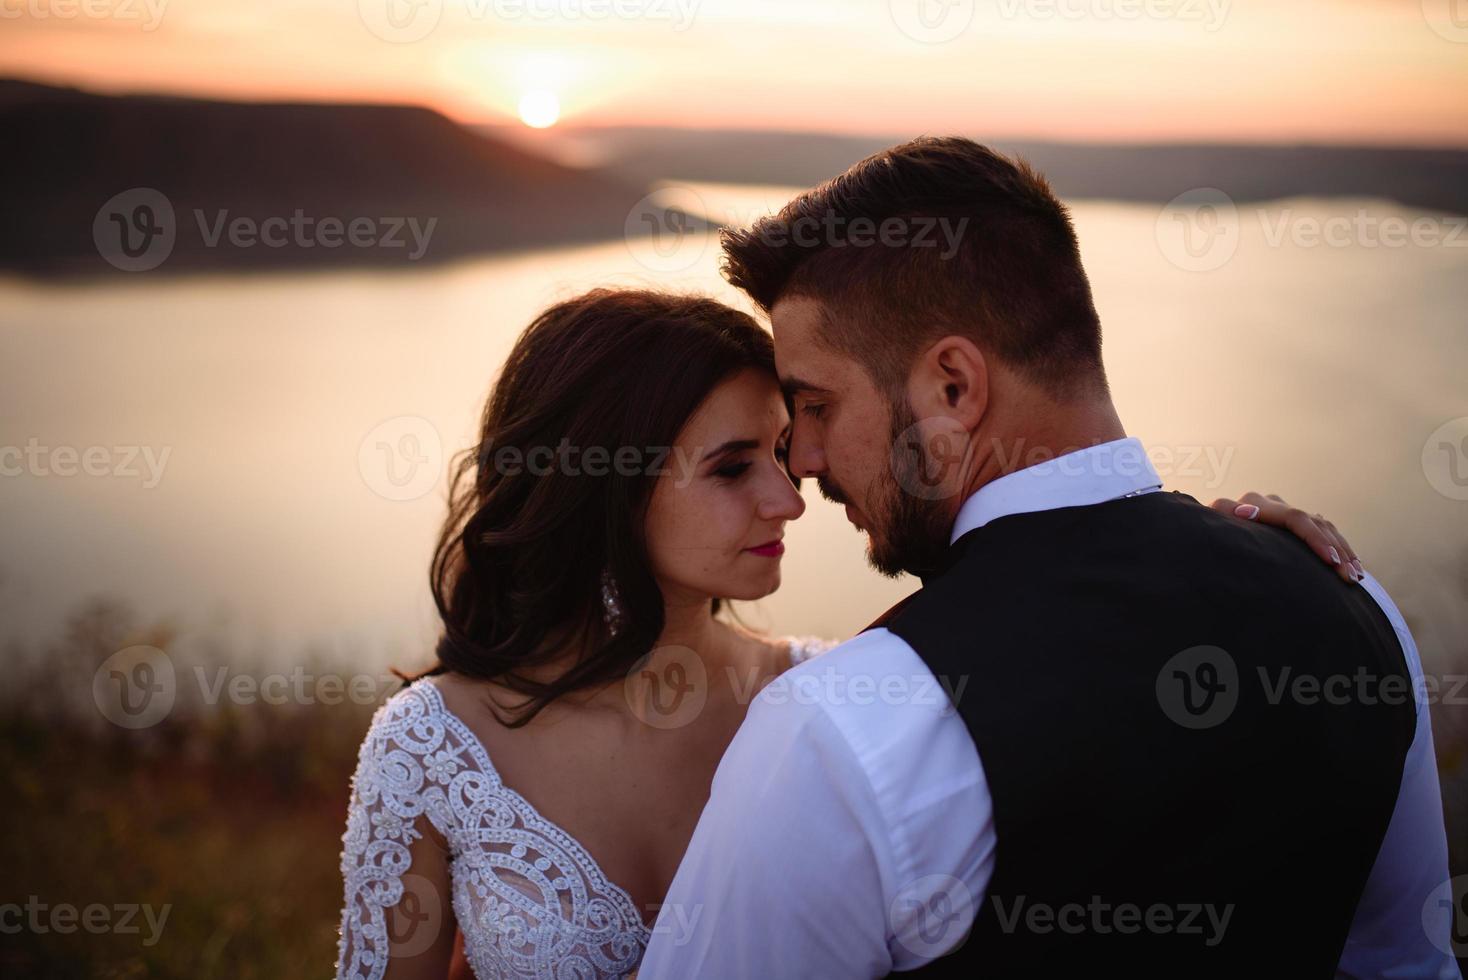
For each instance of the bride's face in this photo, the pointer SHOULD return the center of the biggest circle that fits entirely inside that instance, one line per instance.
(717, 515)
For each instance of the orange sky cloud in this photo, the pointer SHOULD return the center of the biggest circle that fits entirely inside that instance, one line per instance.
(1307, 70)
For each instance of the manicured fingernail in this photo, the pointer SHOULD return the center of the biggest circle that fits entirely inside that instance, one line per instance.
(1335, 557)
(1356, 564)
(1247, 511)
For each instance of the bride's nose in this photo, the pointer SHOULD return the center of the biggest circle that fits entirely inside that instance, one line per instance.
(782, 502)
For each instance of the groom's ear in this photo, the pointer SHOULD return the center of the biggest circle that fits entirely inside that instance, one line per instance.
(951, 379)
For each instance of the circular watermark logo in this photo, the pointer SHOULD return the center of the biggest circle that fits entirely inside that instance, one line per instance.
(135, 230)
(1445, 459)
(401, 458)
(665, 230)
(1447, 18)
(415, 922)
(1198, 231)
(927, 458)
(135, 687)
(932, 21)
(1199, 687)
(1445, 916)
(668, 687)
(932, 915)
(400, 21)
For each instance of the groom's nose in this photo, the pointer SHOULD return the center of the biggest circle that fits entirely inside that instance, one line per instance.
(807, 455)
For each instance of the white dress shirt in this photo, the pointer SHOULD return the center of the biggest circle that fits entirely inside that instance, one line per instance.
(853, 793)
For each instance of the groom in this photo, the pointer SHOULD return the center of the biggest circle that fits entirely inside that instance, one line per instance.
(1114, 730)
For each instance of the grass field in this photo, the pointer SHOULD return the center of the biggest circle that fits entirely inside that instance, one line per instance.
(228, 816)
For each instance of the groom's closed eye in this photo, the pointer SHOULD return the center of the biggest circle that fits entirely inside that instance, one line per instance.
(795, 387)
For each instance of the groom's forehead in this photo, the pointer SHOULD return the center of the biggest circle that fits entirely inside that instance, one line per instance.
(806, 363)
(794, 321)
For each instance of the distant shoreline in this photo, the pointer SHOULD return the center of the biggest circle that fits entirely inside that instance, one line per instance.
(105, 184)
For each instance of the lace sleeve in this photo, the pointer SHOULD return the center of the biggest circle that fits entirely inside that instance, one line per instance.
(436, 840)
(394, 864)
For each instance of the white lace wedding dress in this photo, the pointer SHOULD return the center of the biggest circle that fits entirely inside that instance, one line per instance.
(528, 898)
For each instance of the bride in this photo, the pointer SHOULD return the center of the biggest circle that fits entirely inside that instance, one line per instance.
(520, 810)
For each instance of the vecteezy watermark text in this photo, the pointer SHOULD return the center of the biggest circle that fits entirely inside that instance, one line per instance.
(831, 686)
(119, 462)
(306, 231)
(96, 918)
(669, 686)
(408, 21)
(1203, 228)
(565, 459)
(834, 230)
(138, 687)
(149, 13)
(1209, 462)
(1126, 918)
(940, 21)
(137, 230)
(1362, 687)
(1210, 13)
(1200, 687)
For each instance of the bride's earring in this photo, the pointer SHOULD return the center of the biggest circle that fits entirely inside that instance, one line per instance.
(611, 602)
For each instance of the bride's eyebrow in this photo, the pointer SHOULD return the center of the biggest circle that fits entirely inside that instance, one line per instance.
(732, 446)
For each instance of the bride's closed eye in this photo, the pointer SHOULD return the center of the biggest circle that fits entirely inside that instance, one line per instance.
(731, 471)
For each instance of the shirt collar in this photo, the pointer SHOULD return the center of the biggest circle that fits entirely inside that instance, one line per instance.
(1119, 468)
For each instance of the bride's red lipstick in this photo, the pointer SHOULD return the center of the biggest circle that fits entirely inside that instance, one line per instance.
(770, 549)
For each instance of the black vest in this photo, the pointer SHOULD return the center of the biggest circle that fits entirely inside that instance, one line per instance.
(1134, 691)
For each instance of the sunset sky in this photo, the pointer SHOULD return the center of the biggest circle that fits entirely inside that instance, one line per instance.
(1269, 70)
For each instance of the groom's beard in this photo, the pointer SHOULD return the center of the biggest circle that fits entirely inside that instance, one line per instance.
(907, 533)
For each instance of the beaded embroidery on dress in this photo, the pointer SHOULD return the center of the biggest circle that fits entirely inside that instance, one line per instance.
(802, 648)
(528, 898)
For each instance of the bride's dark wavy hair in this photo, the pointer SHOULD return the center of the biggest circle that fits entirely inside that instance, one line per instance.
(517, 573)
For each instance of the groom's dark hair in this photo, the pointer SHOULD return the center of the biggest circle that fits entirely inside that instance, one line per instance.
(936, 236)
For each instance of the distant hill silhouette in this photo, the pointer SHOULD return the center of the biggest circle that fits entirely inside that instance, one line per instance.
(92, 183)
(70, 152)
(1432, 179)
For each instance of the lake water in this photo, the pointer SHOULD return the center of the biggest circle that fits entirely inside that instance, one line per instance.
(286, 406)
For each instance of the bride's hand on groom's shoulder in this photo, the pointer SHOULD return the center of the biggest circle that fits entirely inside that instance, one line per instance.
(1320, 534)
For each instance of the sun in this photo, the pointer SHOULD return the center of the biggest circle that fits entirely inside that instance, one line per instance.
(539, 108)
